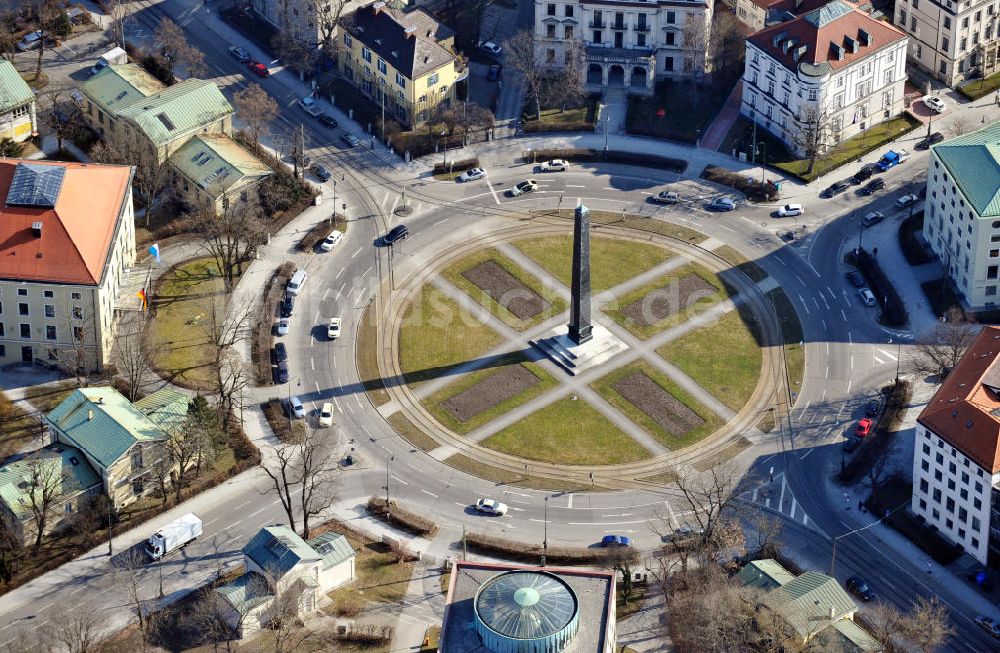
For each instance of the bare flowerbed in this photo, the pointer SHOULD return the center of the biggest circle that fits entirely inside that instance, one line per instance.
(662, 407)
(491, 391)
(506, 289)
(673, 298)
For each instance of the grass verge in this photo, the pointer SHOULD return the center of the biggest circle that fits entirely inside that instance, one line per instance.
(381, 577)
(616, 309)
(409, 431)
(17, 427)
(433, 403)
(504, 477)
(612, 261)
(438, 334)
(723, 455)
(791, 330)
(674, 442)
(48, 396)
(367, 358)
(741, 263)
(723, 358)
(638, 222)
(453, 273)
(977, 88)
(567, 432)
(183, 301)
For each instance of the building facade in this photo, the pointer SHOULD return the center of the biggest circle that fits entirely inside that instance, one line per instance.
(309, 22)
(403, 61)
(626, 44)
(950, 40)
(956, 456)
(824, 77)
(69, 235)
(962, 213)
(18, 121)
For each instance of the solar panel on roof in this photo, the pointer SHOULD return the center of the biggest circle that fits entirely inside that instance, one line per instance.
(35, 185)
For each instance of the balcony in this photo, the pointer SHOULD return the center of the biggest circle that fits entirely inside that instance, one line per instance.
(619, 25)
(623, 56)
(596, 24)
(641, 27)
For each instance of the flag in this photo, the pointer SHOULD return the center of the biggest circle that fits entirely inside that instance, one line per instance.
(154, 250)
(145, 301)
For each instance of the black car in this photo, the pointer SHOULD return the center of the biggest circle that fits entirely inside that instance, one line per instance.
(927, 141)
(399, 232)
(872, 186)
(874, 406)
(836, 188)
(855, 279)
(281, 372)
(865, 173)
(287, 305)
(856, 585)
(280, 353)
(321, 173)
(240, 54)
(327, 120)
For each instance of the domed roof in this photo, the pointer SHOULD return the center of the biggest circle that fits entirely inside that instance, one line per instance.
(526, 604)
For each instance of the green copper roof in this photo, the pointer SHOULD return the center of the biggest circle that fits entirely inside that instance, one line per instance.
(849, 637)
(14, 91)
(334, 548)
(177, 110)
(103, 423)
(764, 575)
(217, 163)
(166, 408)
(120, 85)
(246, 592)
(973, 160)
(828, 13)
(806, 602)
(278, 549)
(57, 461)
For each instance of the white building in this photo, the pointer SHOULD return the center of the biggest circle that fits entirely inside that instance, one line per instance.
(962, 213)
(952, 40)
(956, 457)
(627, 44)
(835, 71)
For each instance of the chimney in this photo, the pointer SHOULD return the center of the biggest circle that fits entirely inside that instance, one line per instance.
(378, 7)
(90, 415)
(100, 400)
(36, 229)
(833, 613)
(411, 32)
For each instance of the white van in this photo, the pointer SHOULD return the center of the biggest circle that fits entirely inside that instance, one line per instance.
(115, 55)
(295, 283)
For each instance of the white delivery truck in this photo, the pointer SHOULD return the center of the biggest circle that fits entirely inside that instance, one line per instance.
(173, 536)
(112, 56)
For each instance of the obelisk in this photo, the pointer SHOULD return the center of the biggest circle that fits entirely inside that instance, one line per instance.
(579, 313)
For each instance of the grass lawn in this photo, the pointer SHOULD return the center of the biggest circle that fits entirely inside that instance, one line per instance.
(367, 358)
(433, 635)
(581, 118)
(791, 330)
(689, 107)
(613, 261)
(630, 410)
(632, 221)
(17, 427)
(454, 272)
(437, 334)
(615, 309)
(380, 577)
(433, 403)
(504, 477)
(183, 301)
(46, 397)
(625, 610)
(411, 433)
(567, 432)
(741, 263)
(724, 358)
(977, 88)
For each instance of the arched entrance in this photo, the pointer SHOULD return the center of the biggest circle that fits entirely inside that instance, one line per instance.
(638, 79)
(595, 75)
(616, 76)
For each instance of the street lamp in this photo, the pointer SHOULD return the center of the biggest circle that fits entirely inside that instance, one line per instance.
(388, 460)
(899, 353)
(763, 160)
(607, 119)
(545, 537)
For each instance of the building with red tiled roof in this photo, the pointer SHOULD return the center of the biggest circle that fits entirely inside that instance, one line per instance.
(758, 14)
(956, 458)
(67, 233)
(824, 77)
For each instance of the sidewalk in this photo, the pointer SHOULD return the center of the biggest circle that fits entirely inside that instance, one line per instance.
(716, 132)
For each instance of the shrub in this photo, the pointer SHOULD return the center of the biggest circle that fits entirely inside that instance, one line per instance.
(318, 233)
(535, 126)
(589, 154)
(400, 517)
(464, 164)
(893, 310)
(274, 412)
(10, 148)
(492, 545)
(909, 242)
(754, 190)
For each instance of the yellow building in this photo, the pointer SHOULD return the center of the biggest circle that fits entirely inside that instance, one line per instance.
(17, 105)
(404, 59)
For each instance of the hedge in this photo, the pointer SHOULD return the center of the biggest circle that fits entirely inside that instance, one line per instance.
(492, 545)
(893, 310)
(909, 242)
(318, 233)
(274, 412)
(535, 126)
(754, 190)
(400, 517)
(612, 156)
(260, 345)
(445, 168)
(897, 398)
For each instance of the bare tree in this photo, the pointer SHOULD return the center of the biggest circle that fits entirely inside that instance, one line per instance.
(230, 375)
(136, 351)
(694, 36)
(287, 630)
(938, 354)
(9, 35)
(230, 237)
(176, 49)
(521, 56)
(45, 480)
(568, 86)
(257, 109)
(876, 473)
(927, 624)
(328, 18)
(62, 115)
(961, 124)
(726, 47)
(11, 554)
(125, 146)
(189, 447)
(814, 134)
(77, 629)
(767, 528)
(162, 471)
(128, 570)
(45, 14)
(885, 623)
(709, 496)
(306, 465)
(208, 617)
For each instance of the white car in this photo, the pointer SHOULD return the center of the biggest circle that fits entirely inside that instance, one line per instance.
(296, 407)
(326, 415)
(935, 103)
(555, 165)
(526, 186)
(332, 240)
(472, 174)
(282, 327)
(491, 507)
(491, 48)
(907, 200)
(333, 329)
(311, 106)
(790, 210)
(867, 297)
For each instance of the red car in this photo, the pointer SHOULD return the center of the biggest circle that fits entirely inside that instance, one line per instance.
(864, 427)
(258, 68)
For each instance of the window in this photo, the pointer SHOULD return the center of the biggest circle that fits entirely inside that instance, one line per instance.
(348, 41)
(78, 333)
(550, 9)
(951, 484)
(947, 22)
(939, 458)
(366, 54)
(963, 45)
(22, 292)
(936, 495)
(77, 313)
(913, 24)
(963, 515)
(812, 94)
(965, 477)
(915, 3)
(671, 18)
(640, 40)
(965, 23)
(25, 330)
(888, 77)
(1, 329)
(598, 37)
(923, 505)
(923, 485)
(137, 486)
(47, 294)
(945, 44)
(977, 504)
(927, 448)
(550, 55)
(137, 460)
(50, 310)
(963, 493)
(432, 80)
(568, 31)
(979, 488)
(569, 11)
(937, 475)
(668, 64)
(50, 332)
(951, 466)
(382, 67)
(550, 31)
(838, 101)
(671, 38)
(22, 308)
(902, 17)
(949, 504)
(924, 465)
(975, 523)
(400, 81)
(920, 51)
(935, 513)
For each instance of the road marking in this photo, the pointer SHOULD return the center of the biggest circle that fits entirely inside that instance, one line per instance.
(569, 501)
(575, 186)
(778, 259)
(326, 294)
(245, 503)
(430, 493)
(609, 188)
(824, 329)
(399, 480)
(800, 279)
(312, 364)
(878, 361)
(885, 353)
(781, 498)
(753, 497)
(235, 523)
(494, 192)
(266, 507)
(804, 304)
(795, 503)
(318, 391)
(623, 514)
(618, 523)
(46, 606)
(356, 252)
(843, 314)
(466, 506)
(439, 222)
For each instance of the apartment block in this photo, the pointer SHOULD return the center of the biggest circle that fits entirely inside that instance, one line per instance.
(952, 41)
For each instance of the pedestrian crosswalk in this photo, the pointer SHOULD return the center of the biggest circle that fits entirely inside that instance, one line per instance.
(776, 495)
